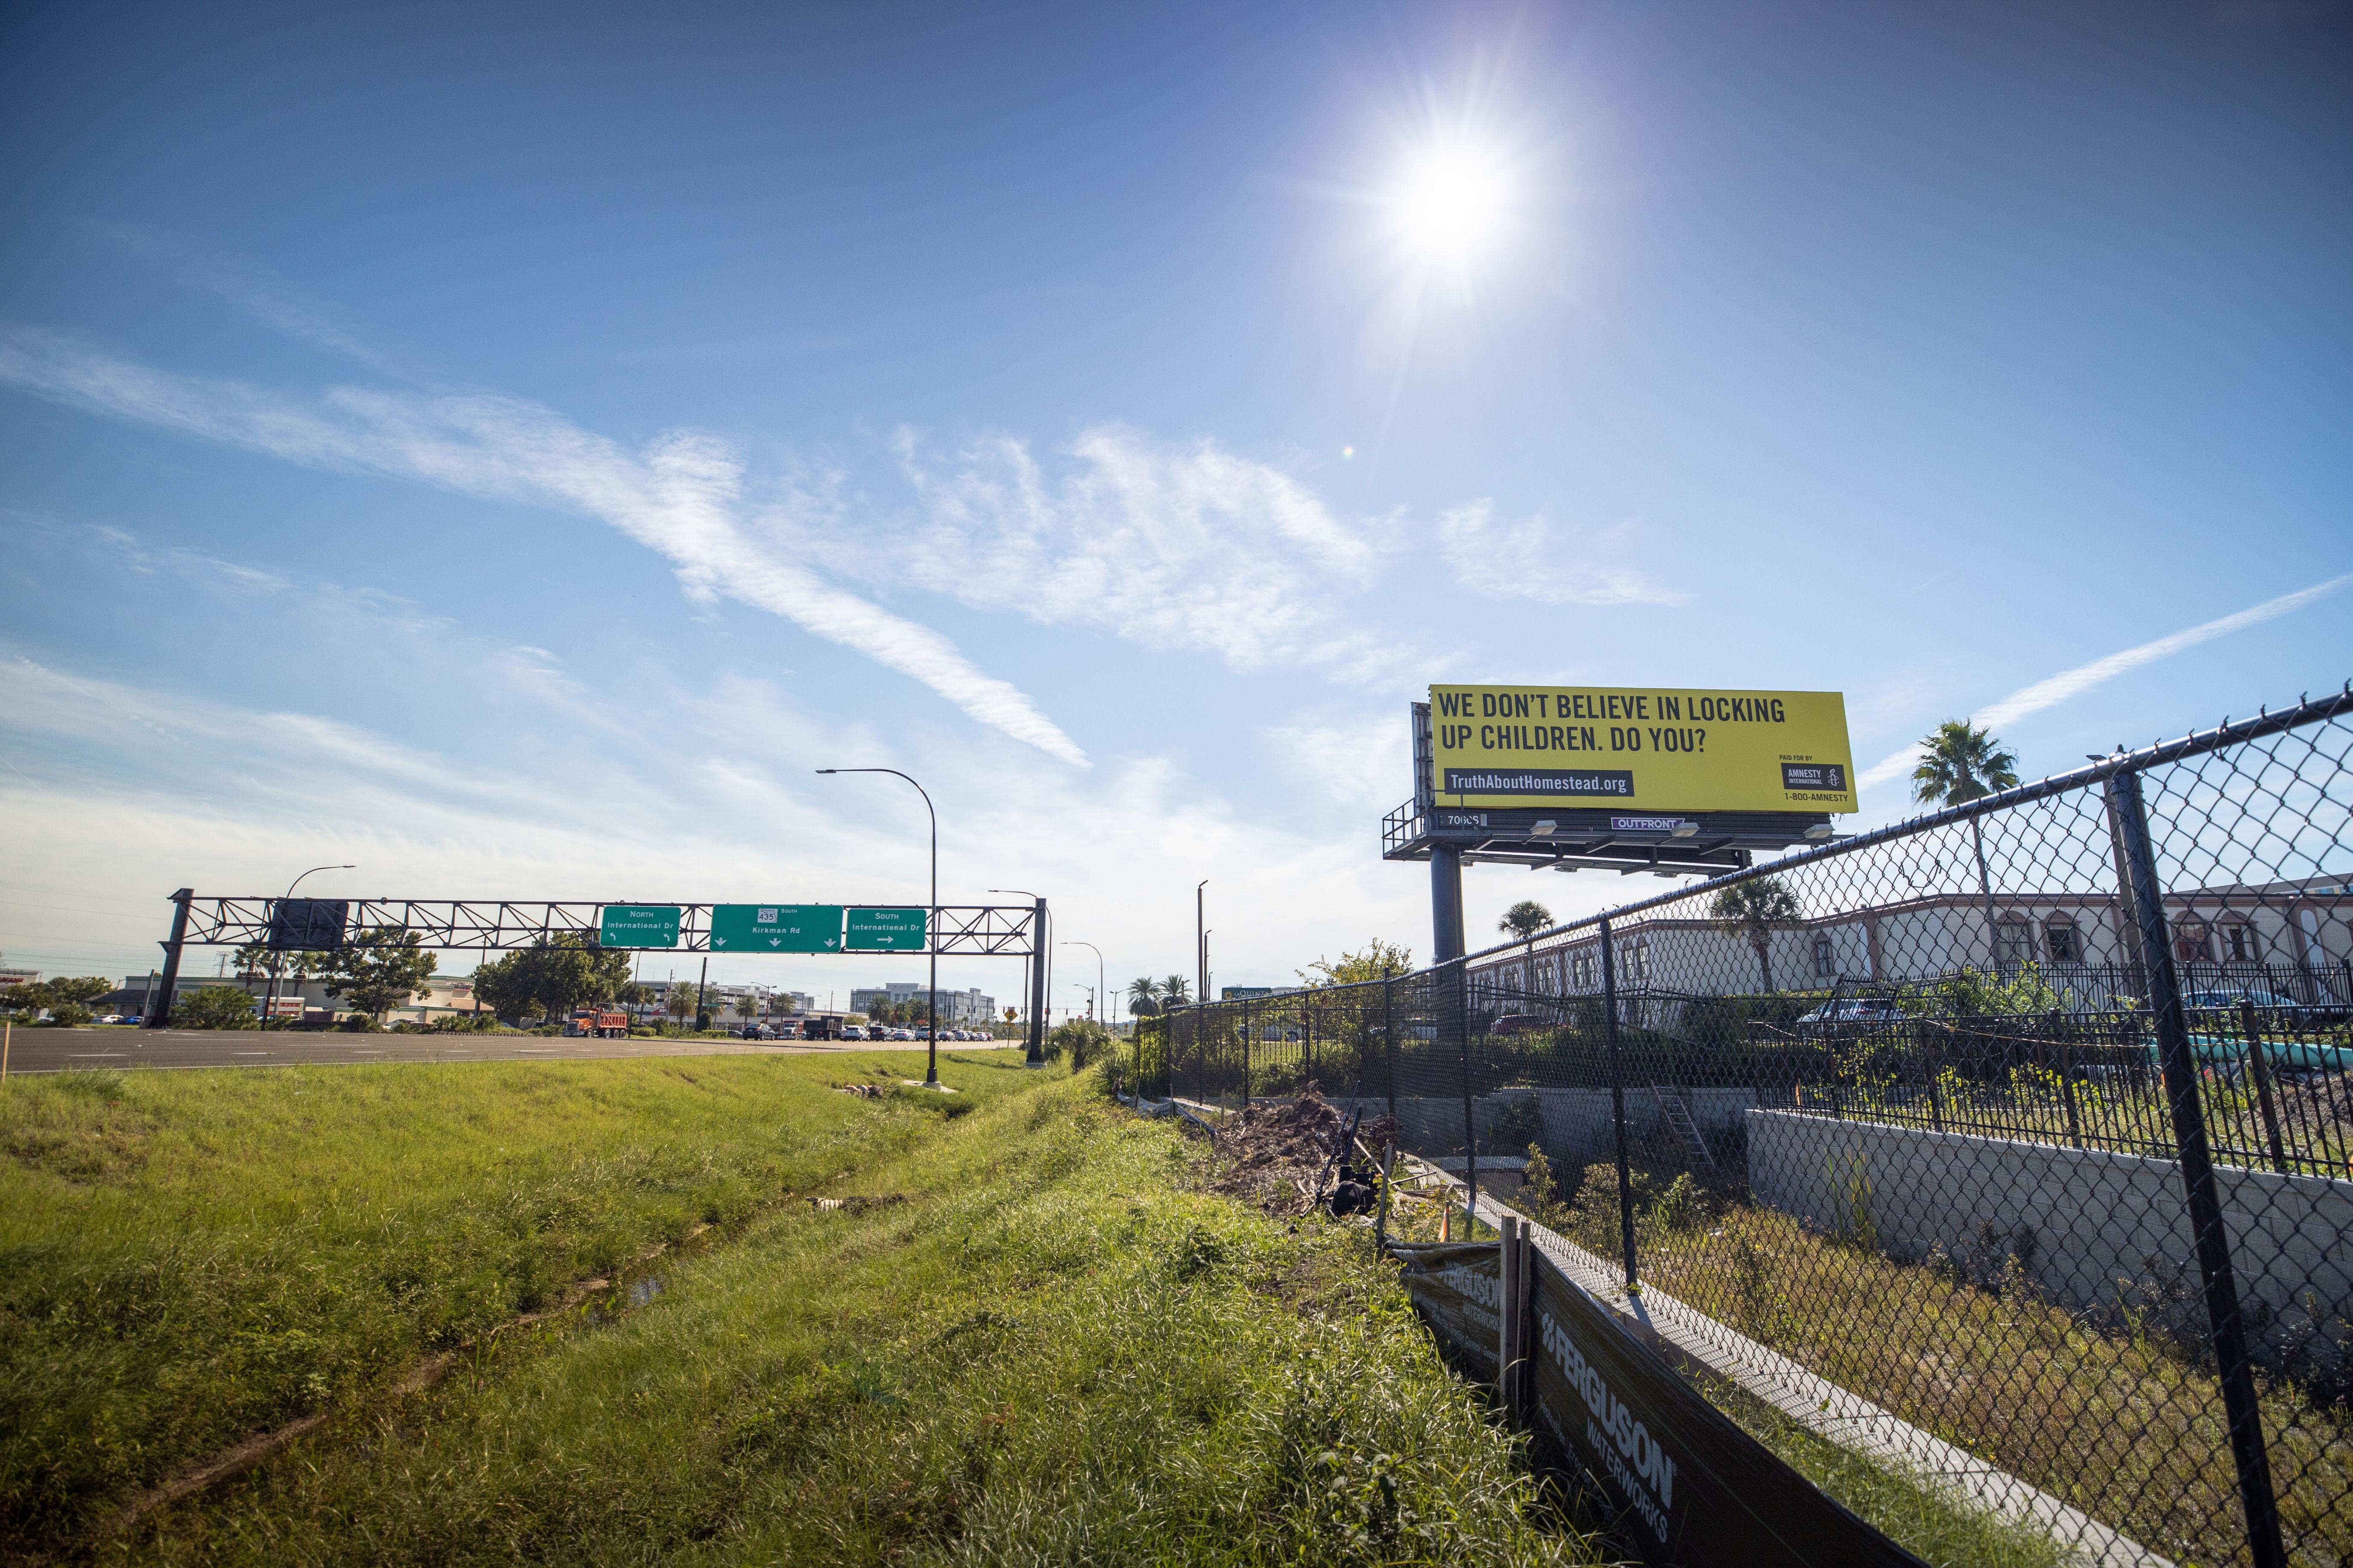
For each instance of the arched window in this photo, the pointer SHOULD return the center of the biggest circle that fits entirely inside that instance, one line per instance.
(2062, 942)
(2193, 943)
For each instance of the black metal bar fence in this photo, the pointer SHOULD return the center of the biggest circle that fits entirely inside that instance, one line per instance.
(2027, 1124)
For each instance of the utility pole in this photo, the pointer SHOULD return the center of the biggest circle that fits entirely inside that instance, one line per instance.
(703, 998)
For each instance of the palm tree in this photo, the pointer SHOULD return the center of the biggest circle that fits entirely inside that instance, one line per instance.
(1757, 908)
(1142, 997)
(1525, 919)
(1176, 989)
(1960, 762)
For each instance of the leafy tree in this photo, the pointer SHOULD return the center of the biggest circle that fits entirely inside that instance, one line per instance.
(381, 969)
(215, 1008)
(1974, 994)
(65, 998)
(551, 978)
(1143, 998)
(1377, 962)
(1525, 919)
(1757, 908)
(1961, 762)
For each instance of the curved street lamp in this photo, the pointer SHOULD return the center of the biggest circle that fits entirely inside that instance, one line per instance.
(1102, 996)
(278, 959)
(931, 926)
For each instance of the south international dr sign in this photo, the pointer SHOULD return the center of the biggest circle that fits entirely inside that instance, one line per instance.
(1657, 748)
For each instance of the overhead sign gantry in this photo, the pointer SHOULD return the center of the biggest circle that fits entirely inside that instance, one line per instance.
(504, 925)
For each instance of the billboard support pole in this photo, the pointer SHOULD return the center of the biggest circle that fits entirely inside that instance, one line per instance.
(1445, 903)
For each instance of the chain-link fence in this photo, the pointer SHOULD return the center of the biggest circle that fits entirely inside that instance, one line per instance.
(2027, 1125)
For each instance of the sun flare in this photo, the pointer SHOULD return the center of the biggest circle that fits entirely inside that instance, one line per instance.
(1451, 205)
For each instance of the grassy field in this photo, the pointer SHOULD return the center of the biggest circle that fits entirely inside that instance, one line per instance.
(1046, 1347)
(186, 1258)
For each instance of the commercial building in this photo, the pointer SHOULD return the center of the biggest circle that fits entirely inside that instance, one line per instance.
(2304, 928)
(968, 1006)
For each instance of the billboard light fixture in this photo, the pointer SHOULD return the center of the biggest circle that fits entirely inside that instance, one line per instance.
(1820, 833)
(1544, 828)
(1683, 831)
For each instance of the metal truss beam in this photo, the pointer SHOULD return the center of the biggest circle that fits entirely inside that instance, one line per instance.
(485, 925)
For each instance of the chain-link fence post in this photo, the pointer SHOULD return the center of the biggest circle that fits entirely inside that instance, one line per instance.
(1617, 1097)
(1388, 1033)
(2180, 1070)
(1454, 1003)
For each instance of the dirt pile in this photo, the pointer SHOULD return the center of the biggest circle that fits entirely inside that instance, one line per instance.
(1272, 1154)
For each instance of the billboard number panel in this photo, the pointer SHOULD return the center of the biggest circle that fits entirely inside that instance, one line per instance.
(888, 931)
(638, 925)
(1654, 748)
(776, 928)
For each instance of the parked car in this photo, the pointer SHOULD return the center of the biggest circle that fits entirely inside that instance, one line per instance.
(1518, 1024)
(852, 1032)
(2271, 1006)
(1855, 1010)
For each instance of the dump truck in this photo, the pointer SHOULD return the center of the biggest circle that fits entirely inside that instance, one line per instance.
(597, 1023)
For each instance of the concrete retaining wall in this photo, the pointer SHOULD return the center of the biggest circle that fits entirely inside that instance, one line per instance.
(1577, 1129)
(2094, 1229)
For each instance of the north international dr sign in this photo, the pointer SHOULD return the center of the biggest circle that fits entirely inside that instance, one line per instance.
(1654, 748)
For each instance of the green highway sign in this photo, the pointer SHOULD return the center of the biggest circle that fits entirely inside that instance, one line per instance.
(776, 928)
(887, 930)
(638, 925)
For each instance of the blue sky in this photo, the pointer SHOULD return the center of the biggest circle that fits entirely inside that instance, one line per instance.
(511, 447)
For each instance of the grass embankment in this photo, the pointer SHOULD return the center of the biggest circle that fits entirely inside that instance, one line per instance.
(188, 1259)
(1050, 1349)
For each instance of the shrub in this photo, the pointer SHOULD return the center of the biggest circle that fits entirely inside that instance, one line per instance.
(1081, 1039)
(215, 1008)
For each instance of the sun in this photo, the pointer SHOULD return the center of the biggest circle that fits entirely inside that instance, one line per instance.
(1451, 202)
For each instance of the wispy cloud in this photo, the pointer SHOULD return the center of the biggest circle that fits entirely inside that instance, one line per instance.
(254, 289)
(2069, 683)
(681, 496)
(1538, 559)
(1172, 545)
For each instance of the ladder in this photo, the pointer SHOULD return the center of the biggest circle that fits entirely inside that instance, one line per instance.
(1679, 1121)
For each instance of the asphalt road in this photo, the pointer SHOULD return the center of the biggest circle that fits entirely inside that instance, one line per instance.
(52, 1051)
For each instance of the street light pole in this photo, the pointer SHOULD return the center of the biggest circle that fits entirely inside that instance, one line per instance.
(1102, 996)
(1200, 944)
(278, 960)
(931, 925)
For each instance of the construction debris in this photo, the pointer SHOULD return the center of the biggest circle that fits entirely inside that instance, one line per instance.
(1287, 1156)
(856, 1205)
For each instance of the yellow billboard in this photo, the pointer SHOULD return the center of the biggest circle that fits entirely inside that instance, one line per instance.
(1660, 749)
